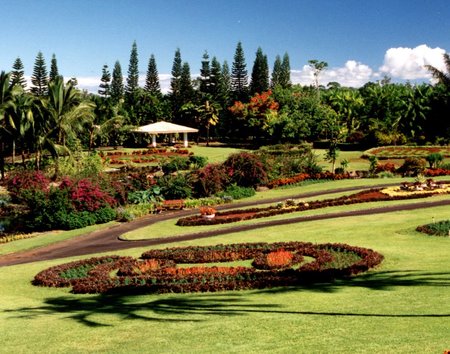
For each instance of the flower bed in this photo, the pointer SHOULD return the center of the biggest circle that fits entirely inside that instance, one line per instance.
(402, 152)
(441, 228)
(373, 195)
(304, 176)
(142, 156)
(273, 265)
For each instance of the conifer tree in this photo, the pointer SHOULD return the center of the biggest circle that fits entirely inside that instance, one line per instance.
(186, 88)
(117, 88)
(226, 86)
(133, 71)
(205, 75)
(152, 80)
(239, 78)
(276, 72)
(17, 74)
(285, 79)
(216, 78)
(176, 73)
(260, 73)
(39, 79)
(53, 68)
(105, 87)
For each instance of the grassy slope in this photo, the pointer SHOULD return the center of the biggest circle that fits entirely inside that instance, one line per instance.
(404, 306)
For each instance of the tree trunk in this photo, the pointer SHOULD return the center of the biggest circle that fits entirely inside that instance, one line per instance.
(13, 151)
(2, 159)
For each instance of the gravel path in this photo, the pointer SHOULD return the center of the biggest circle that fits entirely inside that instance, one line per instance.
(107, 240)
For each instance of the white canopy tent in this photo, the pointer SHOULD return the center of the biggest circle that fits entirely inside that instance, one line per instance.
(165, 128)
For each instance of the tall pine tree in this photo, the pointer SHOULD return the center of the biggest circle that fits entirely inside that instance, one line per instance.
(133, 71)
(285, 79)
(260, 73)
(186, 88)
(205, 75)
(176, 73)
(17, 74)
(105, 87)
(117, 89)
(216, 79)
(39, 79)
(239, 78)
(54, 73)
(175, 84)
(276, 73)
(152, 85)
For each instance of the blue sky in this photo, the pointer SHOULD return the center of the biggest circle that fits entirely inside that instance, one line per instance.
(361, 40)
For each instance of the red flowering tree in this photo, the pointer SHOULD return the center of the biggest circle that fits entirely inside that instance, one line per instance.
(254, 114)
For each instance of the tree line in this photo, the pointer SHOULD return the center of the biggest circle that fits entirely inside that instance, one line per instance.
(230, 104)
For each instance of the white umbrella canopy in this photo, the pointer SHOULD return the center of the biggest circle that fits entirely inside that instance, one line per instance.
(165, 128)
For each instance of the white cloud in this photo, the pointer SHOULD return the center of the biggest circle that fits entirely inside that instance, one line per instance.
(408, 63)
(352, 74)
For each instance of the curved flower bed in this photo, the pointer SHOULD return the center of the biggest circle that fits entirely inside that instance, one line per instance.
(373, 195)
(275, 264)
(441, 228)
(401, 152)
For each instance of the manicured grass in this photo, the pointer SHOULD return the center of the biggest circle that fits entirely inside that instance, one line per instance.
(169, 228)
(356, 162)
(401, 307)
(214, 153)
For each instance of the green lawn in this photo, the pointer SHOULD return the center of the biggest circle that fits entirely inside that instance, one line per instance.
(401, 307)
(214, 153)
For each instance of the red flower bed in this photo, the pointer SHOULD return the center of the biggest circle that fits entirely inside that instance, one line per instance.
(304, 176)
(435, 172)
(373, 195)
(158, 272)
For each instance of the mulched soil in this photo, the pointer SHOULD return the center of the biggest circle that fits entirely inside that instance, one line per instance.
(107, 240)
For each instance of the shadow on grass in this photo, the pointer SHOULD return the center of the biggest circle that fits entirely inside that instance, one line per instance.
(383, 280)
(198, 307)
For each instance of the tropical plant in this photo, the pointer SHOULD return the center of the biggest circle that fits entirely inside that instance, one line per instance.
(61, 116)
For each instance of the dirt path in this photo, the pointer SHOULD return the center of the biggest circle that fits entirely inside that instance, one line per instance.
(107, 240)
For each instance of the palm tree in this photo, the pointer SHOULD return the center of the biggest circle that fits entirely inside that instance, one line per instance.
(209, 115)
(6, 99)
(19, 119)
(62, 115)
(441, 76)
(347, 103)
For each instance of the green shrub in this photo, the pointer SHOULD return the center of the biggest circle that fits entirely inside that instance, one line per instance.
(175, 187)
(238, 192)
(105, 215)
(78, 220)
(151, 195)
(435, 159)
(177, 163)
(198, 161)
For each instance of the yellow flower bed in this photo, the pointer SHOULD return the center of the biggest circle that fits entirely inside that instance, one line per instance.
(398, 192)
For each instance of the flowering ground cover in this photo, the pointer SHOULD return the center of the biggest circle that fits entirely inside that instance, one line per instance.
(291, 206)
(276, 264)
(152, 155)
(401, 152)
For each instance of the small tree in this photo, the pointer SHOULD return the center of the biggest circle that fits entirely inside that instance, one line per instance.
(373, 160)
(332, 155)
(435, 159)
